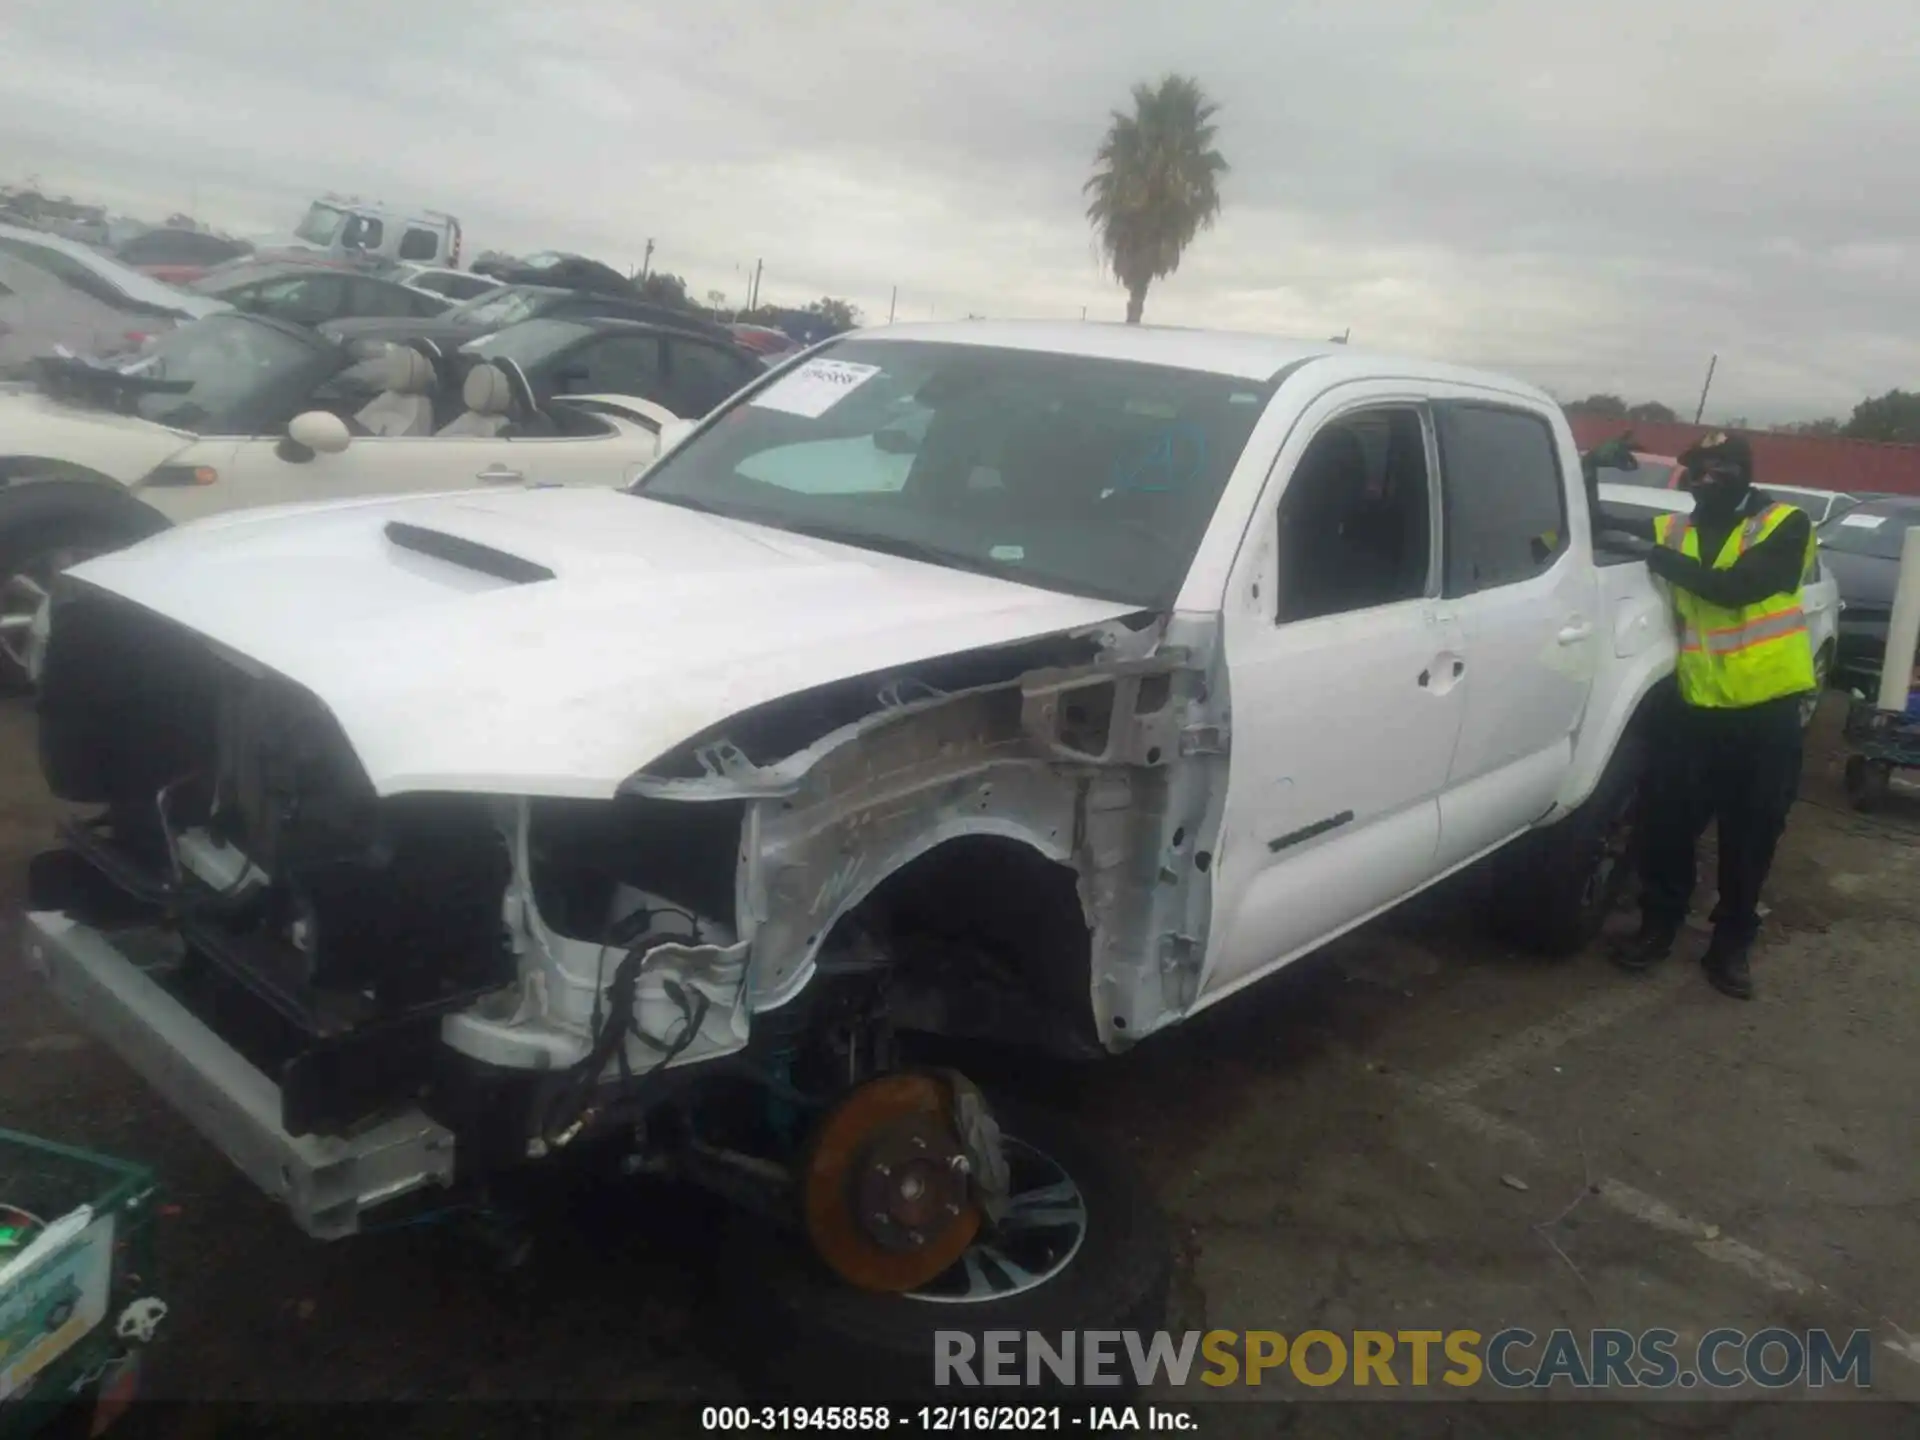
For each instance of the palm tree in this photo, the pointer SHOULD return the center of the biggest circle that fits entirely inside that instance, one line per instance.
(1155, 185)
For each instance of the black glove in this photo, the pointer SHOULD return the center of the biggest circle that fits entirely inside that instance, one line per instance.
(1622, 542)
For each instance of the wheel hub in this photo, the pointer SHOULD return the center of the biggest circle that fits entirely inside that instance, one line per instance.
(886, 1197)
(909, 1184)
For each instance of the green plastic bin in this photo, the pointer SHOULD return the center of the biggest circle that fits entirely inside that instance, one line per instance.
(78, 1297)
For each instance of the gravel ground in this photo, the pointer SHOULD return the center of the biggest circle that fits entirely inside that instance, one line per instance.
(1380, 1138)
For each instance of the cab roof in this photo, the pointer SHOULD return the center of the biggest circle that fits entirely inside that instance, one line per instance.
(1224, 352)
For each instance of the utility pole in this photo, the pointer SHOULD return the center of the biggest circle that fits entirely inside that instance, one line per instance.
(1083, 312)
(894, 300)
(1701, 408)
(646, 260)
(753, 292)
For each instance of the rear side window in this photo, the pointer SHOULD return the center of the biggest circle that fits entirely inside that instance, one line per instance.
(1505, 504)
(419, 245)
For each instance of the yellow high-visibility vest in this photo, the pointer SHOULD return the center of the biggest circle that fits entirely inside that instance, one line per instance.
(1733, 658)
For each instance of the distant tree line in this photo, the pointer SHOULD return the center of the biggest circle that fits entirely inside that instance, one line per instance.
(1612, 407)
(1893, 417)
(833, 316)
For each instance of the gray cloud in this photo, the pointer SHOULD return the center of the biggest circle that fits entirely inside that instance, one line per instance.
(1595, 198)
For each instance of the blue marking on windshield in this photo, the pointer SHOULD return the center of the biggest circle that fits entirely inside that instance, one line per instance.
(1172, 458)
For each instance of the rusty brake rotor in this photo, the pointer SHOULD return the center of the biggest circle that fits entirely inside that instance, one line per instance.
(886, 1194)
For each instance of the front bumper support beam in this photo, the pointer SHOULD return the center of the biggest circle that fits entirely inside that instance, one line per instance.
(325, 1182)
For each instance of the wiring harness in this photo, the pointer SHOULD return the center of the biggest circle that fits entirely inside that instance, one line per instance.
(571, 1108)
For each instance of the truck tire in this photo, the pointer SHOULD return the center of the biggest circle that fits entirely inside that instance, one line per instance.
(1565, 880)
(45, 527)
(800, 1333)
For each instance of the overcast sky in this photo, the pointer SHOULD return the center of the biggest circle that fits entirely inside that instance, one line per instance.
(1595, 197)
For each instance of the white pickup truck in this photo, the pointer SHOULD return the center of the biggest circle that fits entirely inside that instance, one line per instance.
(1043, 684)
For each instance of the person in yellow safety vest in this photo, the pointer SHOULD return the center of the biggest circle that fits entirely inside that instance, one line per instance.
(1728, 743)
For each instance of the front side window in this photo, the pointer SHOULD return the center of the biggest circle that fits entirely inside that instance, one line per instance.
(303, 299)
(1356, 518)
(536, 345)
(704, 375)
(1070, 473)
(1505, 504)
(620, 365)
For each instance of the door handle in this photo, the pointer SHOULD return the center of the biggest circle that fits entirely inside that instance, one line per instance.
(1575, 631)
(500, 475)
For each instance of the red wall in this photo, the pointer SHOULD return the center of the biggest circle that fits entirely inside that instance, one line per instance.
(1811, 460)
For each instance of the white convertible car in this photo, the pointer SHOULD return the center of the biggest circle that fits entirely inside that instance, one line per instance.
(236, 411)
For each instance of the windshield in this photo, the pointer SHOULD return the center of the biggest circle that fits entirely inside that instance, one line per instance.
(528, 344)
(1095, 477)
(322, 225)
(1876, 529)
(227, 360)
(500, 308)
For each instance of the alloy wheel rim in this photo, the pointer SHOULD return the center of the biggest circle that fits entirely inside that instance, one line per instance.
(24, 594)
(1041, 1233)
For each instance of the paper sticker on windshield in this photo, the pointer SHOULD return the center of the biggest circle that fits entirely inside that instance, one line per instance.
(1864, 522)
(815, 387)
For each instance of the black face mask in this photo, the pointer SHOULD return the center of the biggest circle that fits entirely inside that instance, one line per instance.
(1717, 493)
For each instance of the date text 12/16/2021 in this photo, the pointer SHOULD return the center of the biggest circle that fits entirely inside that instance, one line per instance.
(943, 1419)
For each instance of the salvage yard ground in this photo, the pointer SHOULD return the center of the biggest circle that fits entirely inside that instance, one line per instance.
(1344, 1149)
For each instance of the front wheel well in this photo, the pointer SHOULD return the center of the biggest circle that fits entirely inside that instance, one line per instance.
(986, 939)
(39, 469)
(35, 494)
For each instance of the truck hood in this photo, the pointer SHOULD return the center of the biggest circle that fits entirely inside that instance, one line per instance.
(658, 623)
(123, 447)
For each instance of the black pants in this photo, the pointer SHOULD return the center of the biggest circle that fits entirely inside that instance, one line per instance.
(1741, 766)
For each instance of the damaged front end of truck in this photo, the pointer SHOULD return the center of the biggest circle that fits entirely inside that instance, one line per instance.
(719, 968)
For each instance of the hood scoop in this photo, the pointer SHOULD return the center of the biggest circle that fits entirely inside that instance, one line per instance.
(467, 554)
